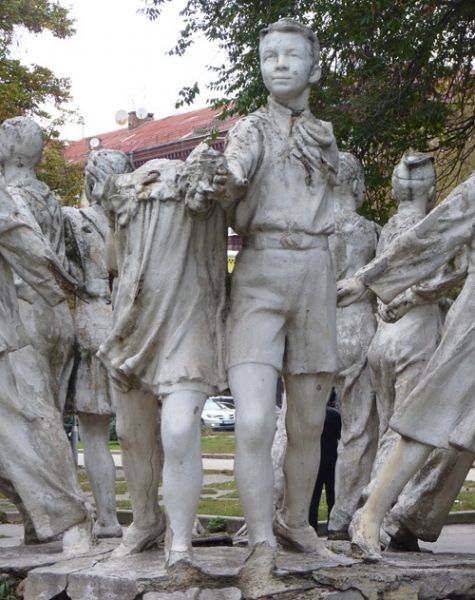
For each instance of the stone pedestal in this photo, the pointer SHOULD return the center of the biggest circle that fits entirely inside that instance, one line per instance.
(410, 576)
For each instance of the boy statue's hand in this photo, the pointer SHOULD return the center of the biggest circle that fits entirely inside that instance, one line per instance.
(349, 291)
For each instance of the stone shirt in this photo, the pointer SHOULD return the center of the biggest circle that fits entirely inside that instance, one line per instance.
(23, 248)
(285, 167)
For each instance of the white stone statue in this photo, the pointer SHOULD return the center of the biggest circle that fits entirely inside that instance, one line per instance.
(86, 231)
(167, 244)
(353, 245)
(36, 463)
(398, 355)
(400, 351)
(50, 328)
(281, 169)
(422, 507)
(439, 412)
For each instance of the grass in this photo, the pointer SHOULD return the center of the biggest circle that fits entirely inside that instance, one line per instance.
(212, 442)
(227, 504)
(466, 498)
(225, 508)
(217, 442)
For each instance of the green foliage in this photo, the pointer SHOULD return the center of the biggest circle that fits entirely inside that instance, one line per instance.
(25, 88)
(64, 178)
(216, 524)
(8, 586)
(396, 74)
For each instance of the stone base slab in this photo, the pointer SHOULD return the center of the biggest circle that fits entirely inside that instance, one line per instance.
(408, 576)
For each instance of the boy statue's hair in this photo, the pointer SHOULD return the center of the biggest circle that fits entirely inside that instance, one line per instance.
(26, 140)
(112, 161)
(287, 25)
(349, 168)
(420, 169)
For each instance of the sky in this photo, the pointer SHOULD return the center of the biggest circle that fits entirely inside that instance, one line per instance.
(117, 60)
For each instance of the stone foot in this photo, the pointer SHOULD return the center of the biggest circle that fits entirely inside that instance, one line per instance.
(364, 538)
(137, 539)
(302, 539)
(404, 543)
(78, 539)
(258, 571)
(400, 538)
(107, 531)
(175, 556)
(182, 573)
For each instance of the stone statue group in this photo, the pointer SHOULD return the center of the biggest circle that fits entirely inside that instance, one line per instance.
(165, 335)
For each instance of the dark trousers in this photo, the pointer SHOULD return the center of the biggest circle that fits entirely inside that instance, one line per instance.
(326, 477)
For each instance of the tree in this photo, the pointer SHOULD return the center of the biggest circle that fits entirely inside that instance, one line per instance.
(24, 89)
(396, 74)
(64, 178)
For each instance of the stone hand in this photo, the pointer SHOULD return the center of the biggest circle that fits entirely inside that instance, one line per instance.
(349, 291)
(67, 282)
(96, 180)
(220, 179)
(395, 310)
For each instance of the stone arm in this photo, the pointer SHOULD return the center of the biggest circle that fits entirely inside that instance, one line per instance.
(29, 254)
(243, 153)
(420, 251)
(72, 249)
(429, 291)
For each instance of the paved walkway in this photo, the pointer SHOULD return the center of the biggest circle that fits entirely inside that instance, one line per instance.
(208, 463)
(454, 538)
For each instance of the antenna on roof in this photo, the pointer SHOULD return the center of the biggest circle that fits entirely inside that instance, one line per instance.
(121, 117)
(142, 113)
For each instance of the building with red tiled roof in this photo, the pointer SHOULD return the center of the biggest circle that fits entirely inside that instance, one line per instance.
(144, 139)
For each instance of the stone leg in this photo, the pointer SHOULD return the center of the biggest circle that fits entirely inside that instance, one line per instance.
(182, 469)
(35, 455)
(357, 448)
(137, 430)
(8, 490)
(403, 385)
(404, 459)
(422, 508)
(253, 387)
(100, 469)
(307, 397)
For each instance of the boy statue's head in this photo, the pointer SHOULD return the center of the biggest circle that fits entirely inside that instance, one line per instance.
(350, 179)
(104, 162)
(290, 59)
(21, 143)
(414, 179)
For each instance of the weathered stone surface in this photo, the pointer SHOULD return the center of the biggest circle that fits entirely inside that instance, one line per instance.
(191, 594)
(299, 577)
(19, 560)
(197, 594)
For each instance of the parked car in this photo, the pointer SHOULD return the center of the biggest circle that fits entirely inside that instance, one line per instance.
(218, 413)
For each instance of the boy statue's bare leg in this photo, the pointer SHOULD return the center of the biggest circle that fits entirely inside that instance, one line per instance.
(253, 386)
(100, 470)
(402, 462)
(182, 469)
(137, 430)
(307, 397)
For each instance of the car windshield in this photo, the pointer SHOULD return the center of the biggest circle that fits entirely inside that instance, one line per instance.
(216, 405)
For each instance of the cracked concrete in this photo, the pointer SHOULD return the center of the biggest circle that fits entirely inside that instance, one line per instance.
(409, 576)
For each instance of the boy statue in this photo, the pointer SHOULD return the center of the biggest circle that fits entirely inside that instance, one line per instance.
(277, 190)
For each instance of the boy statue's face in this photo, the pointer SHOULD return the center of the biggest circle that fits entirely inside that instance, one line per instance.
(287, 64)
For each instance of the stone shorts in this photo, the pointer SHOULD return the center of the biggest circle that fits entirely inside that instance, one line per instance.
(283, 311)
